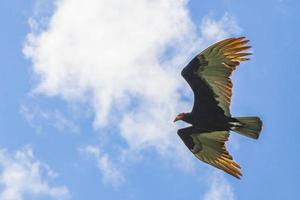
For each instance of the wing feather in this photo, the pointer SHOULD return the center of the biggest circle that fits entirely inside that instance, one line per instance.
(213, 151)
(209, 73)
(221, 60)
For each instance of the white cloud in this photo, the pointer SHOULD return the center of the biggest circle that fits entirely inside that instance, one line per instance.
(40, 119)
(21, 174)
(219, 188)
(212, 30)
(111, 174)
(124, 58)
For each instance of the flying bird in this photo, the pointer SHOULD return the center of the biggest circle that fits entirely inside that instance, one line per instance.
(208, 74)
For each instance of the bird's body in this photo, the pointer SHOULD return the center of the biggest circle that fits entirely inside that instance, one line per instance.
(212, 123)
(208, 74)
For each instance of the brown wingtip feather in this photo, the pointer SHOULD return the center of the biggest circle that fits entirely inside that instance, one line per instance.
(229, 167)
(236, 43)
(235, 50)
(242, 37)
(226, 163)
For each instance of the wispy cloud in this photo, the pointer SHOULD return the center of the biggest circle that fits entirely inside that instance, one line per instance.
(111, 174)
(22, 174)
(219, 188)
(41, 119)
(124, 58)
(213, 30)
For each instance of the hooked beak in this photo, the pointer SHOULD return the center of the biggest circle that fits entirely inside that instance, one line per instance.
(176, 119)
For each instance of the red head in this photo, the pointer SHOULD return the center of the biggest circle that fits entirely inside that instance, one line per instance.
(180, 116)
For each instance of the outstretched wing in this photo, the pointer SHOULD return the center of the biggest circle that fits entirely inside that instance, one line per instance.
(209, 73)
(210, 148)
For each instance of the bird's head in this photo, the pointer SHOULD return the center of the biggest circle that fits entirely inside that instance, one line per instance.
(180, 116)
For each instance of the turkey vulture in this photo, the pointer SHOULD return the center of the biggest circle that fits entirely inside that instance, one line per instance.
(208, 74)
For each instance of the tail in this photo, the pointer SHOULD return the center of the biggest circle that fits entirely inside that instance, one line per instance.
(247, 126)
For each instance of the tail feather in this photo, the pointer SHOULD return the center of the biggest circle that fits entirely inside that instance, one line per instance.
(248, 126)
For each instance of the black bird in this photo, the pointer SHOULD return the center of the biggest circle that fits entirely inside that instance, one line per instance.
(208, 74)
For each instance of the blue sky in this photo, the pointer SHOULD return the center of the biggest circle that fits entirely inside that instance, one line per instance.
(77, 122)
